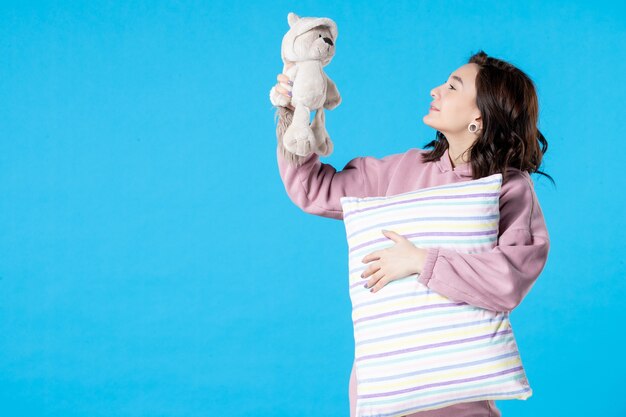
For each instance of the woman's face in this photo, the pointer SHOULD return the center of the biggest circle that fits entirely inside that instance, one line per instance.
(454, 105)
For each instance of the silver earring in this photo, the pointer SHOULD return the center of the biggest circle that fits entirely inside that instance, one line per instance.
(473, 127)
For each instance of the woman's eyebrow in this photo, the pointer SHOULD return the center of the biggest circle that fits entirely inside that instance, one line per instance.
(457, 78)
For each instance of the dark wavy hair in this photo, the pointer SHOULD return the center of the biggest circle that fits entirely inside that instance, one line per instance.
(507, 100)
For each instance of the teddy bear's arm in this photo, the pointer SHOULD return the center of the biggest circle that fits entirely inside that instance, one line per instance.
(333, 99)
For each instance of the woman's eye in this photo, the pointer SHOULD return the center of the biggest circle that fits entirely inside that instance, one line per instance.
(451, 87)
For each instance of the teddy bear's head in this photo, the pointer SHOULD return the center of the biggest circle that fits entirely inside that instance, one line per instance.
(309, 38)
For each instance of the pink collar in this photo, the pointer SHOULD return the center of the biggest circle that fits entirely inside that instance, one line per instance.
(462, 170)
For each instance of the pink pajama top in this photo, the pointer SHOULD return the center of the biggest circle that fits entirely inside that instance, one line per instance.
(496, 280)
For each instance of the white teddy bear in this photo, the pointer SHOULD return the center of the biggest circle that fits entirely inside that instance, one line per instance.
(310, 45)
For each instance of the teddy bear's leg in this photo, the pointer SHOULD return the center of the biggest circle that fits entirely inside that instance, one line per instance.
(299, 137)
(322, 140)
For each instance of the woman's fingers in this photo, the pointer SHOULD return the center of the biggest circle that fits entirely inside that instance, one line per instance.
(284, 79)
(375, 280)
(284, 84)
(286, 93)
(381, 283)
(370, 270)
(283, 91)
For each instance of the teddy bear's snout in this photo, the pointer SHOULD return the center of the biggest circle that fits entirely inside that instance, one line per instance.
(328, 41)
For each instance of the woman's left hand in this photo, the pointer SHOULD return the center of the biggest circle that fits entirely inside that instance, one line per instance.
(399, 261)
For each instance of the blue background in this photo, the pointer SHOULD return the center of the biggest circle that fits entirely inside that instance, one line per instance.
(151, 262)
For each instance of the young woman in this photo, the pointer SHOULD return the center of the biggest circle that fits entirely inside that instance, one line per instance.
(486, 116)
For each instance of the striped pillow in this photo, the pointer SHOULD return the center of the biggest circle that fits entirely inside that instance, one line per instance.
(417, 350)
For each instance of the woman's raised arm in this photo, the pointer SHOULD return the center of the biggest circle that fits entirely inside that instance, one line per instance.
(316, 187)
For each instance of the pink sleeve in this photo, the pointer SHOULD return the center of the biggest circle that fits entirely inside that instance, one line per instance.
(499, 279)
(316, 187)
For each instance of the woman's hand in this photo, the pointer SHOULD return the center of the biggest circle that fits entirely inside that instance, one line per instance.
(284, 85)
(399, 261)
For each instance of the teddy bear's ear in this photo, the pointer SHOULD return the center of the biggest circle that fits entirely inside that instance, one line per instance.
(292, 18)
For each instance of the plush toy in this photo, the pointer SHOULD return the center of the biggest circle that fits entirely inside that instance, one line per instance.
(310, 45)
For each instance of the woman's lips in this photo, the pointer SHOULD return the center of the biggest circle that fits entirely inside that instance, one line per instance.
(433, 109)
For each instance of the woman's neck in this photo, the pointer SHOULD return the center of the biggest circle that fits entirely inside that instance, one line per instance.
(458, 156)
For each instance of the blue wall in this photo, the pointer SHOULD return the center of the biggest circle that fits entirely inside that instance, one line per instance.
(151, 263)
